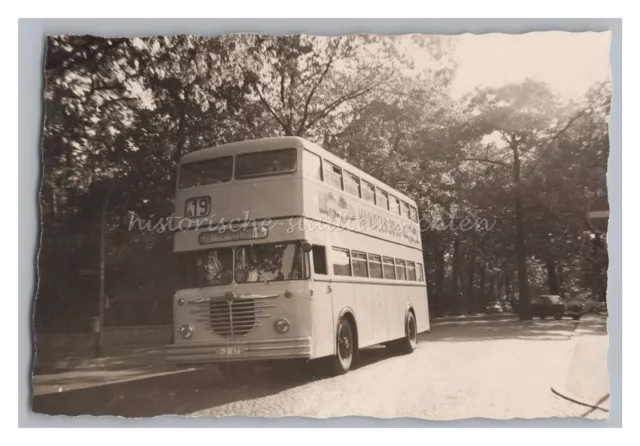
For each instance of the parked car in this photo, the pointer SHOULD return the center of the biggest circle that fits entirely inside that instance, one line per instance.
(595, 307)
(574, 309)
(493, 308)
(551, 305)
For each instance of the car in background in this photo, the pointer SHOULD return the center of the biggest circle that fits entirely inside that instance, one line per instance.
(552, 305)
(574, 310)
(493, 308)
(595, 307)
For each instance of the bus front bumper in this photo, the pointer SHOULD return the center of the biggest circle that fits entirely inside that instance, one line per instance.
(214, 352)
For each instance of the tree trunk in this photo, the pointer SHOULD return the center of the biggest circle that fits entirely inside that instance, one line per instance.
(483, 279)
(101, 296)
(439, 281)
(595, 271)
(552, 277)
(490, 296)
(471, 300)
(455, 275)
(521, 253)
(182, 131)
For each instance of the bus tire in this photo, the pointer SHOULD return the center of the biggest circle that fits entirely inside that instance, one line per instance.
(409, 343)
(235, 371)
(345, 348)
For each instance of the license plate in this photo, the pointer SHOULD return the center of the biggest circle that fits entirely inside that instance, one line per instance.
(229, 351)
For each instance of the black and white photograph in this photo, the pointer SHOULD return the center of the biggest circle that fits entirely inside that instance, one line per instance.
(298, 225)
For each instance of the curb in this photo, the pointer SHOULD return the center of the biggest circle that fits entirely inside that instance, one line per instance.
(62, 365)
(482, 317)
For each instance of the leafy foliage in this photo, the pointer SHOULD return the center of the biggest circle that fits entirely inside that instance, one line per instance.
(121, 112)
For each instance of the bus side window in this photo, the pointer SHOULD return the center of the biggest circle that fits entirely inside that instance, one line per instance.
(311, 165)
(332, 174)
(420, 273)
(319, 260)
(341, 262)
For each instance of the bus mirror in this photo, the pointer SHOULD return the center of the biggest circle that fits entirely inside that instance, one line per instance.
(306, 246)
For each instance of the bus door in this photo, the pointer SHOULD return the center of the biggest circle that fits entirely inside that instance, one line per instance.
(322, 304)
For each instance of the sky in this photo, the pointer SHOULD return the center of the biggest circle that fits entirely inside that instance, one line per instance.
(569, 62)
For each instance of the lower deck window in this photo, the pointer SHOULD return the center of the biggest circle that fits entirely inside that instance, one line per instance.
(375, 266)
(209, 268)
(359, 264)
(401, 271)
(411, 271)
(388, 268)
(319, 259)
(270, 262)
(341, 262)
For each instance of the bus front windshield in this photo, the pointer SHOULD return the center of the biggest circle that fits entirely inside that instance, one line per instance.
(214, 267)
(253, 263)
(270, 262)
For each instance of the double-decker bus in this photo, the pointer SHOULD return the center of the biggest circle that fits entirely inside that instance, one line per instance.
(290, 252)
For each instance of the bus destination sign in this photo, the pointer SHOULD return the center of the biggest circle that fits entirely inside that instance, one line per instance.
(233, 235)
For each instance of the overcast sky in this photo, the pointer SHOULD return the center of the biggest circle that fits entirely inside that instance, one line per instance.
(569, 62)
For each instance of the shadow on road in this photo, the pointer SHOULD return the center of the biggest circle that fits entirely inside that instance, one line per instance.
(535, 330)
(203, 388)
(186, 392)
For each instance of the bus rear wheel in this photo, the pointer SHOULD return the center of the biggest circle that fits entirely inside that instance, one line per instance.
(409, 343)
(345, 348)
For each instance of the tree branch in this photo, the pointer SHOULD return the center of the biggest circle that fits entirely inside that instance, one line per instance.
(483, 160)
(341, 100)
(554, 138)
(313, 90)
(273, 113)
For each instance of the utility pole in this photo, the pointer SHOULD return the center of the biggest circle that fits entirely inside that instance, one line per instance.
(101, 296)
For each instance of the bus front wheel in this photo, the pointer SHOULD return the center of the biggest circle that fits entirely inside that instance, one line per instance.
(345, 348)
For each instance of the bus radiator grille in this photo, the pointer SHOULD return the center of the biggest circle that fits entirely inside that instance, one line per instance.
(236, 319)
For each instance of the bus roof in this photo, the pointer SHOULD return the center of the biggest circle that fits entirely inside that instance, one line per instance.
(287, 142)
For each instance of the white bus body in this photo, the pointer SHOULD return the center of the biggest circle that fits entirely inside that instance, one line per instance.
(292, 242)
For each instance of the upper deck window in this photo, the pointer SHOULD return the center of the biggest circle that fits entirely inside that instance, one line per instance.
(352, 184)
(263, 164)
(312, 165)
(413, 214)
(332, 174)
(394, 205)
(211, 171)
(382, 198)
(368, 192)
(404, 208)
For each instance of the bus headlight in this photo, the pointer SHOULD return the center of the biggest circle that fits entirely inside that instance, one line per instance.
(180, 302)
(288, 294)
(281, 326)
(187, 331)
